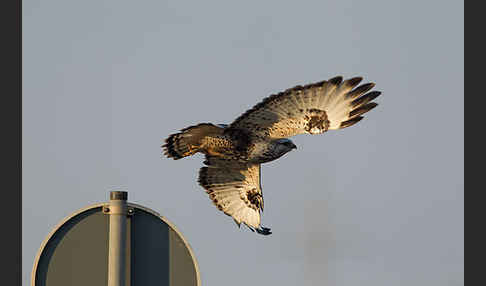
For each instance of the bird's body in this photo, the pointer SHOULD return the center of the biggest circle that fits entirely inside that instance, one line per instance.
(215, 140)
(235, 152)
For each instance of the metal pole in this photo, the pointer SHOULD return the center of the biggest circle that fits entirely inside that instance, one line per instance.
(117, 236)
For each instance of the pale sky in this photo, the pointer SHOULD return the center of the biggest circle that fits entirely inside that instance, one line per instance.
(379, 203)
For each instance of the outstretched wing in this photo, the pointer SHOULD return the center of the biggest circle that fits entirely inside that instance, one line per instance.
(235, 189)
(313, 108)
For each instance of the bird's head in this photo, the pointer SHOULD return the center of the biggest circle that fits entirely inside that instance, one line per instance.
(284, 145)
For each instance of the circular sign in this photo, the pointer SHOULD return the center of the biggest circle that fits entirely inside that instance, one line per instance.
(76, 251)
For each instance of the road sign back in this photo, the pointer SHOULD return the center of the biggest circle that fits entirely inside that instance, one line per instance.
(76, 251)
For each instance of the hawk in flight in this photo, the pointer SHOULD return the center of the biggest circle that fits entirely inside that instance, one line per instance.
(234, 153)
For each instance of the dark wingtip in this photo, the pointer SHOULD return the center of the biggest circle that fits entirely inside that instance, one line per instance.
(350, 122)
(354, 81)
(365, 98)
(237, 223)
(336, 80)
(360, 90)
(263, 230)
(363, 109)
(260, 230)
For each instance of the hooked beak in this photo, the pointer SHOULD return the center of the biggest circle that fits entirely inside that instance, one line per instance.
(293, 146)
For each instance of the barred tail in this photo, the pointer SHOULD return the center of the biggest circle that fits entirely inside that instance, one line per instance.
(189, 141)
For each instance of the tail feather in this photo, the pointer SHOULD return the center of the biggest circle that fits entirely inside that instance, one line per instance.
(188, 142)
